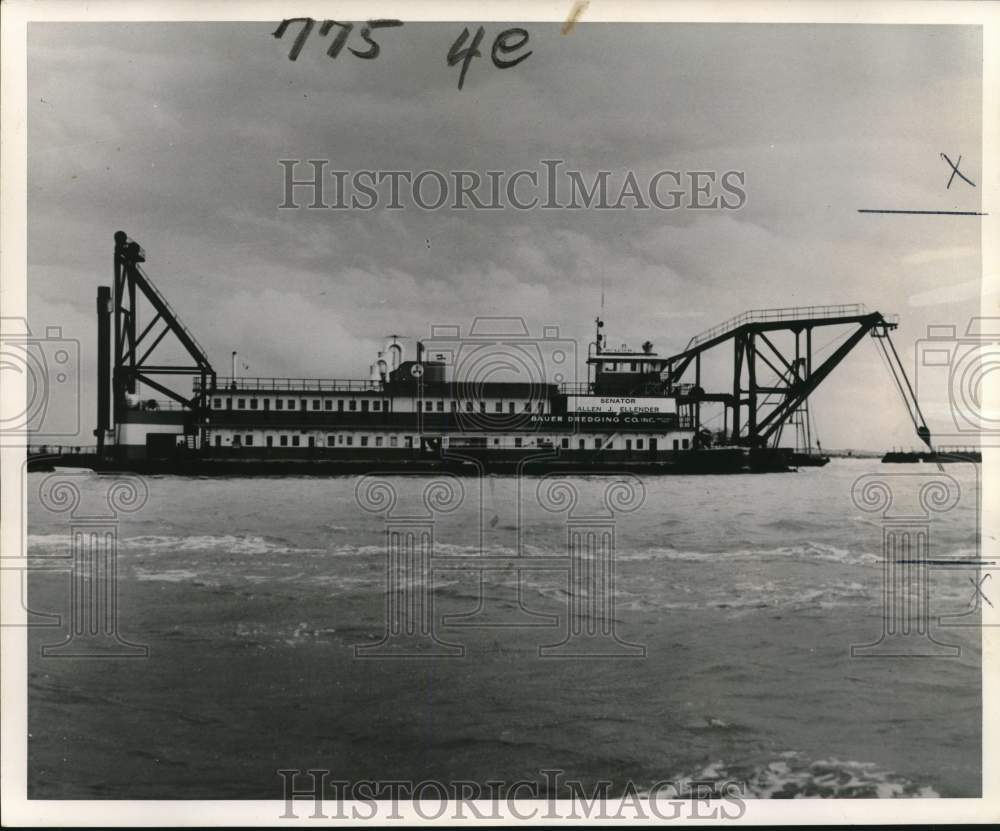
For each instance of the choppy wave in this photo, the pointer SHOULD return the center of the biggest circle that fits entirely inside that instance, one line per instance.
(157, 543)
(744, 596)
(802, 552)
(207, 559)
(171, 575)
(792, 776)
(806, 552)
(254, 544)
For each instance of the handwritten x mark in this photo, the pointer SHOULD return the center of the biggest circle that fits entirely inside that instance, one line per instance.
(979, 591)
(956, 172)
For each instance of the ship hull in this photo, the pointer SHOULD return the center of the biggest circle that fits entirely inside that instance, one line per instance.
(808, 460)
(692, 462)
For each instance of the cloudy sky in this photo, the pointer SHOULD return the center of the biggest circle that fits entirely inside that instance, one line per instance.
(173, 132)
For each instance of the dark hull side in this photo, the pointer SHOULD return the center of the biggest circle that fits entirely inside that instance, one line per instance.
(714, 461)
(807, 460)
(916, 456)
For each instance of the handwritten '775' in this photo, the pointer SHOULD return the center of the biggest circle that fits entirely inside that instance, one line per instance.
(505, 44)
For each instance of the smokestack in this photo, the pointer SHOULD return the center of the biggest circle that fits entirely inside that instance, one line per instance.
(395, 356)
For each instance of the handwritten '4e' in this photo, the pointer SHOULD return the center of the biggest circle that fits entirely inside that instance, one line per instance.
(506, 43)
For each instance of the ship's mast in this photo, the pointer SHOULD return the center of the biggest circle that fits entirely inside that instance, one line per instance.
(595, 345)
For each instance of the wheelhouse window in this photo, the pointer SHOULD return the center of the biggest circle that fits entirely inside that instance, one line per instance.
(241, 404)
(283, 441)
(295, 441)
(328, 404)
(498, 407)
(315, 403)
(291, 403)
(217, 403)
(353, 405)
(376, 406)
(428, 406)
(279, 404)
(364, 441)
(440, 406)
(249, 440)
(331, 441)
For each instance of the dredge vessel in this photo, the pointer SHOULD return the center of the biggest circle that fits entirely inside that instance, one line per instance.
(445, 409)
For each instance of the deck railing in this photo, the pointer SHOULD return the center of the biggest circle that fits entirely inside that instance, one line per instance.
(769, 315)
(153, 405)
(225, 385)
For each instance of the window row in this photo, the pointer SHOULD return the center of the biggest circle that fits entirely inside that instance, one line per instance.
(351, 405)
(597, 443)
(365, 405)
(295, 440)
(512, 407)
(348, 440)
(632, 366)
